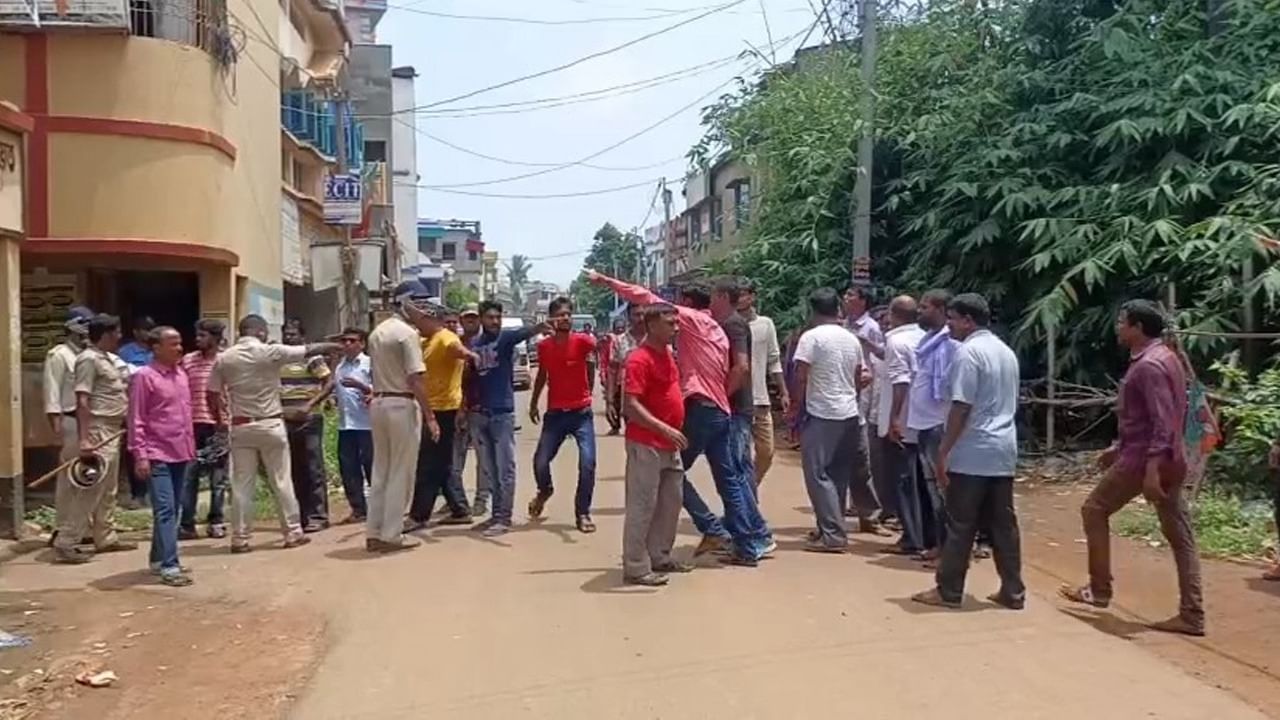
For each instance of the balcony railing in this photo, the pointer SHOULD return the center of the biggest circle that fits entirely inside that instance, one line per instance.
(314, 120)
(199, 23)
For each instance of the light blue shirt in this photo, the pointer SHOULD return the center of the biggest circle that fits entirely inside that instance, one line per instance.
(353, 412)
(984, 376)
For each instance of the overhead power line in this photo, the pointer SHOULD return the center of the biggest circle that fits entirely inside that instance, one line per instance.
(520, 196)
(578, 61)
(507, 161)
(536, 21)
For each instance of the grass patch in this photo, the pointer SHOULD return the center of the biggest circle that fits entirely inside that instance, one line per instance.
(1226, 527)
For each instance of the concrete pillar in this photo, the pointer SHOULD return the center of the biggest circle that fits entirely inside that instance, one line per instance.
(11, 378)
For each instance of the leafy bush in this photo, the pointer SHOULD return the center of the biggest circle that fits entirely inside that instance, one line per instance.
(1251, 423)
(1225, 525)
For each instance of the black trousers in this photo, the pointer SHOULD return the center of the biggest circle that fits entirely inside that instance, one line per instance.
(972, 502)
(306, 464)
(355, 464)
(435, 465)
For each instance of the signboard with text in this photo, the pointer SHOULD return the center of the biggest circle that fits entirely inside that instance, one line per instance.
(344, 199)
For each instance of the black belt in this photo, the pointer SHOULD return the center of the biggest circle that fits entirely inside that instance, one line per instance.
(410, 396)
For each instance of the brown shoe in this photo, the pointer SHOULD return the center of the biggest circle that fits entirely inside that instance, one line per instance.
(1179, 626)
(711, 544)
(71, 556)
(868, 526)
(539, 503)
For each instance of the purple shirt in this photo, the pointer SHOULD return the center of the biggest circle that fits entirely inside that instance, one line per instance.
(1151, 411)
(160, 415)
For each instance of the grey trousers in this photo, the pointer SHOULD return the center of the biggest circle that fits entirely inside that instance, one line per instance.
(828, 448)
(858, 494)
(654, 482)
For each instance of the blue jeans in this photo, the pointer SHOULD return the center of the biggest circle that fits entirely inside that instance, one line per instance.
(165, 487)
(495, 438)
(558, 425)
(355, 464)
(725, 440)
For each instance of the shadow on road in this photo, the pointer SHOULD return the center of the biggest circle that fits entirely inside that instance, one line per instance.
(1106, 622)
(911, 607)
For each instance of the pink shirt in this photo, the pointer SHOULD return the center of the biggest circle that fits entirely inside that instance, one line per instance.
(701, 346)
(160, 415)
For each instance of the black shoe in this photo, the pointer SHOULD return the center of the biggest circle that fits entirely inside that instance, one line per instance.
(456, 520)
(740, 560)
(188, 534)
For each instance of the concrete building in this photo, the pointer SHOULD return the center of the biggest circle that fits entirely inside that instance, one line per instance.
(404, 164)
(458, 247)
(315, 128)
(153, 179)
(14, 126)
(537, 297)
(717, 208)
(363, 17)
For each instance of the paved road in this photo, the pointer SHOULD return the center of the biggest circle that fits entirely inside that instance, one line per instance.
(536, 625)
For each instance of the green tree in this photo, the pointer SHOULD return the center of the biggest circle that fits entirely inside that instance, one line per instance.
(615, 253)
(517, 277)
(458, 296)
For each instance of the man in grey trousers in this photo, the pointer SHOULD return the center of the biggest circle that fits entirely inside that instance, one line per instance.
(828, 359)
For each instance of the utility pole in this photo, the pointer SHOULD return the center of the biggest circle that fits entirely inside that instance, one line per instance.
(861, 210)
(666, 227)
(347, 255)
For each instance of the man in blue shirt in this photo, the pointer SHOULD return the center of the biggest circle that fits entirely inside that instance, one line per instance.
(352, 386)
(493, 424)
(138, 352)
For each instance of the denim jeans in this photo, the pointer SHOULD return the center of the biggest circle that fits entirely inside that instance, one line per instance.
(165, 486)
(495, 438)
(306, 463)
(557, 426)
(462, 442)
(355, 464)
(933, 511)
(219, 481)
(725, 440)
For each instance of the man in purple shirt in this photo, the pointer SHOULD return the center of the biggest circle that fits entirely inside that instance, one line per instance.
(1148, 459)
(163, 445)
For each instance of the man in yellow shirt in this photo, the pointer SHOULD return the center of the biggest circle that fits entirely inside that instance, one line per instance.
(445, 357)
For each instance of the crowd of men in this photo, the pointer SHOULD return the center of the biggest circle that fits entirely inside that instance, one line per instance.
(905, 421)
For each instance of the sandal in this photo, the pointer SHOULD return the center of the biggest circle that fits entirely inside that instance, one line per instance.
(647, 580)
(1083, 595)
(1272, 575)
(585, 524)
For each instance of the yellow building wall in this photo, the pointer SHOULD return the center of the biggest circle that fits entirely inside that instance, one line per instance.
(13, 86)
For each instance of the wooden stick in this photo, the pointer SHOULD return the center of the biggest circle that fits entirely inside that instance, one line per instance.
(54, 472)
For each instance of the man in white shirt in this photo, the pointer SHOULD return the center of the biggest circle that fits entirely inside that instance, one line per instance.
(766, 364)
(859, 499)
(898, 370)
(828, 359)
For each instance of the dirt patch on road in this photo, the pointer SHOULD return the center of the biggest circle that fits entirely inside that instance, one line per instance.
(174, 657)
(1239, 653)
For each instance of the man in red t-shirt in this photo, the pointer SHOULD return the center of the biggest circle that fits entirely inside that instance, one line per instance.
(565, 367)
(654, 407)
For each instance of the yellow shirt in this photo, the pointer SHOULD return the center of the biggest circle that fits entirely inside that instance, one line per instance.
(444, 371)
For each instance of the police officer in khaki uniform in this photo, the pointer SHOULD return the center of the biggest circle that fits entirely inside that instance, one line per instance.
(60, 399)
(101, 388)
(249, 372)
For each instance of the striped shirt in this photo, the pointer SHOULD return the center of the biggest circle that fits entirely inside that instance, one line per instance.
(302, 381)
(198, 368)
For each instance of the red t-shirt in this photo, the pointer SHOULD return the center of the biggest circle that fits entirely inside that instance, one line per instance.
(652, 378)
(566, 366)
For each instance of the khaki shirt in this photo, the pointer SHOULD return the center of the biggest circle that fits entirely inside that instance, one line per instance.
(60, 379)
(249, 373)
(395, 352)
(102, 376)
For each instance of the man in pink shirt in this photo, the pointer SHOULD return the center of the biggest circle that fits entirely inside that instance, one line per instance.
(163, 445)
(702, 348)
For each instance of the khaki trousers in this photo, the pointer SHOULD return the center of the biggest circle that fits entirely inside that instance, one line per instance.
(654, 483)
(265, 443)
(62, 489)
(1115, 491)
(763, 439)
(90, 510)
(397, 433)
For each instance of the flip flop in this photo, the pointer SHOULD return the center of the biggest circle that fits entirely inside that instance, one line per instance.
(934, 599)
(1083, 595)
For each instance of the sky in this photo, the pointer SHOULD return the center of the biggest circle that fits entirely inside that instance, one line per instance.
(455, 56)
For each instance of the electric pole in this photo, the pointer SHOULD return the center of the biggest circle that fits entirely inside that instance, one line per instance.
(666, 228)
(861, 206)
(347, 255)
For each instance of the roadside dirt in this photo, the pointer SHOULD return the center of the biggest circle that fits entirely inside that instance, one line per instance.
(1238, 655)
(173, 656)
